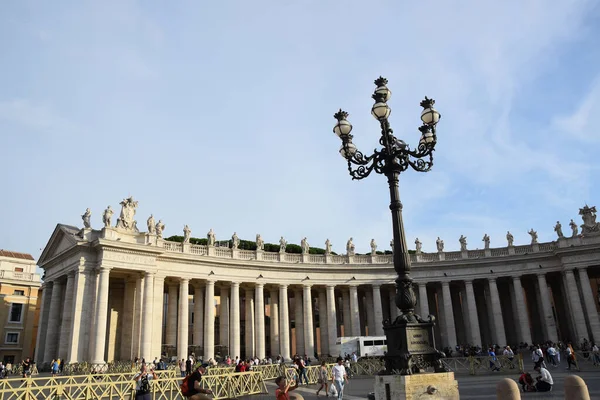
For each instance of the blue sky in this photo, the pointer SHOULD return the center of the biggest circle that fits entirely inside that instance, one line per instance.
(220, 116)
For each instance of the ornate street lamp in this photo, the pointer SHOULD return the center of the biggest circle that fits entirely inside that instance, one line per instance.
(410, 339)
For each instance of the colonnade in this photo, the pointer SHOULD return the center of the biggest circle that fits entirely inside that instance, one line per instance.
(102, 314)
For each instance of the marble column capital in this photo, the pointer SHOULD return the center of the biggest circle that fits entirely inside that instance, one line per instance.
(184, 280)
(468, 282)
(149, 273)
(259, 285)
(330, 285)
(307, 285)
(445, 283)
(492, 279)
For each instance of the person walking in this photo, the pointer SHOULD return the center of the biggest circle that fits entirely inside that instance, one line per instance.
(323, 379)
(339, 377)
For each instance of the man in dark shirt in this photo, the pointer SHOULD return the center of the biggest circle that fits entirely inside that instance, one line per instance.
(196, 392)
(188, 366)
(26, 364)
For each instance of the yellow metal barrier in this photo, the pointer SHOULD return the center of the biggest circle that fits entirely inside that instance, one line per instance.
(501, 364)
(270, 371)
(122, 386)
(312, 373)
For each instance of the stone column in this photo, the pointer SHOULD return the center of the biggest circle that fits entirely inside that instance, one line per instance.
(52, 335)
(309, 338)
(475, 337)
(549, 327)
(323, 328)
(259, 318)
(147, 320)
(523, 321)
(423, 300)
(157, 315)
(76, 343)
(234, 324)
(224, 317)
(575, 303)
(43, 324)
(378, 313)
(101, 316)
(127, 324)
(209, 323)
(347, 319)
(331, 320)
(393, 308)
(184, 324)
(274, 326)
(198, 315)
(449, 315)
(284, 322)
(299, 322)
(137, 316)
(590, 304)
(498, 322)
(354, 312)
(249, 317)
(370, 313)
(67, 316)
(171, 336)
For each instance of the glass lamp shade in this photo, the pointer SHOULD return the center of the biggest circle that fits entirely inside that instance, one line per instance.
(343, 127)
(430, 116)
(347, 150)
(427, 138)
(384, 92)
(380, 111)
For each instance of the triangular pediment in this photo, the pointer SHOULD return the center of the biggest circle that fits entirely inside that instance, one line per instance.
(63, 238)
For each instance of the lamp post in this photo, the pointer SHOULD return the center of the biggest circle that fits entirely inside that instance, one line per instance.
(410, 339)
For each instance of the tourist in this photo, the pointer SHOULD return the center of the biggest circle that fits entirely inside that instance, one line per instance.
(26, 365)
(551, 352)
(323, 379)
(544, 381)
(339, 377)
(537, 356)
(54, 365)
(301, 370)
(195, 390)
(283, 388)
(526, 382)
(182, 367)
(570, 356)
(595, 354)
(493, 359)
(188, 366)
(142, 383)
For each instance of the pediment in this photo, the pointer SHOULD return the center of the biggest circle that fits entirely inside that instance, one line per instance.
(63, 238)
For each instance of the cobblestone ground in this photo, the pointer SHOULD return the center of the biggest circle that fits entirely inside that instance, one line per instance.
(478, 387)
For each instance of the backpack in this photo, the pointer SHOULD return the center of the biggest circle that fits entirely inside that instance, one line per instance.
(185, 386)
(144, 384)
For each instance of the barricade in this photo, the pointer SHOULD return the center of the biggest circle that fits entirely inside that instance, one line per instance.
(122, 386)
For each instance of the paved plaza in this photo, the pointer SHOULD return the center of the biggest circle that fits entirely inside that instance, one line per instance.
(470, 387)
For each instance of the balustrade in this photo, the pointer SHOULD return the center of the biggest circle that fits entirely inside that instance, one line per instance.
(198, 249)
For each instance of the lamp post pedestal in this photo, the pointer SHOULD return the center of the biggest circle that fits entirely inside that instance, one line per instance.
(412, 387)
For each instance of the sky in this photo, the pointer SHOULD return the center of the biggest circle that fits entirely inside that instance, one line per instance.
(220, 115)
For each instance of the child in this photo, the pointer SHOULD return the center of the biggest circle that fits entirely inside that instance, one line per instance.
(283, 388)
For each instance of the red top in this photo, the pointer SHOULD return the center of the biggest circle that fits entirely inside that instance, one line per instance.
(281, 395)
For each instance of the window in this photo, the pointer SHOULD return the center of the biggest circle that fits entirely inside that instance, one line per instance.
(18, 269)
(19, 293)
(16, 312)
(378, 342)
(368, 343)
(12, 338)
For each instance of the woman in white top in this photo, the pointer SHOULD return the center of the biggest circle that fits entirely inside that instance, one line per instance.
(142, 383)
(339, 377)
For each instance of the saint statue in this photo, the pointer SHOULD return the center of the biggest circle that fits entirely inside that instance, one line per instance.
(327, 247)
(574, 228)
(373, 247)
(187, 233)
(235, 241)
(463, 243)
(510, 238)
(260, 243)
(106, 217)
(440, 245)
(304, 246)
(151, 225)
(350, 247)
(486, 241)
(210, 238)
(534, 236)
(418, 245)
(126, 218)
(558, 230)
(86, 218)
(282, 245)
(160, 227)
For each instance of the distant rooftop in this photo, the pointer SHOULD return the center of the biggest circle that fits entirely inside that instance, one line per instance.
(14, 254)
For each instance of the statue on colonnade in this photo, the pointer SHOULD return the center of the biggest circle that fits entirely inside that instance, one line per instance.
(486, 241)
(187, 233)
(574, 228)
(151, 225)
(210, 236)
(328, 247)
(418, 245)
(260, 243)
(373, 247)
(304, 246)
(440, 245)
(126, 218)
(534, 236)
(350, 247)
(282, 245)
(160, 227)
(510, 238)
(86, 218)
(463, 243)
(558, 230)
(107, 216)
(235, 241)
(588, 214)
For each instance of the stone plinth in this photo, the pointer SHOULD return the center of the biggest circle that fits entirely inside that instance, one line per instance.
(418, 386)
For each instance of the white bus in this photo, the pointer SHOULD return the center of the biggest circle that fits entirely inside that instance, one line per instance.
(363, 346)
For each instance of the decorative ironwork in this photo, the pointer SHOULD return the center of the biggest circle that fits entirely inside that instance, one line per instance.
(393, 158)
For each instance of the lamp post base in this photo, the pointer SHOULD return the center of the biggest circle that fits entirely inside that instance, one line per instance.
(411, 346)
(414, 387)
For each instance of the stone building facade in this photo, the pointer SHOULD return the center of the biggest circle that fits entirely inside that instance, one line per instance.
(116, 293)
(19, 285)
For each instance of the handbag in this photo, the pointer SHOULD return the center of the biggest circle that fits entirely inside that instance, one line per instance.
(332, 390)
